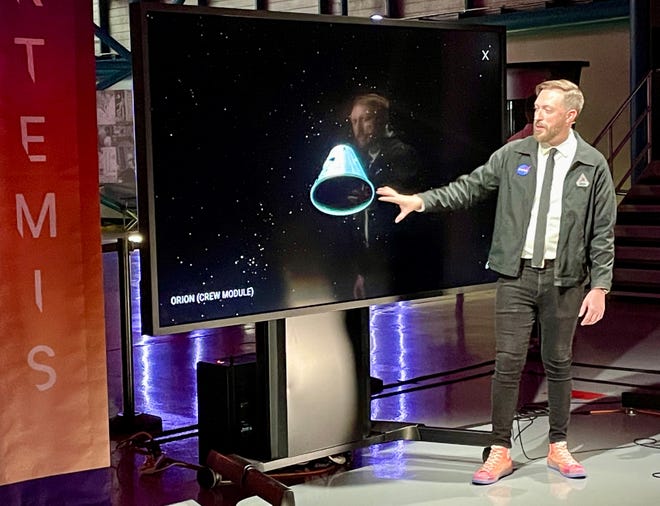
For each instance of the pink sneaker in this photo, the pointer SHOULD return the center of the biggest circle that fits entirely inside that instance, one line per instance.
(497, 465)
(560, 459)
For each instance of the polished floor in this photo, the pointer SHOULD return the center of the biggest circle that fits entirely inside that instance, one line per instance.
(435, 360)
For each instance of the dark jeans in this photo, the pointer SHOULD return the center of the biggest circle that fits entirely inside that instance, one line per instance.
(519, 303)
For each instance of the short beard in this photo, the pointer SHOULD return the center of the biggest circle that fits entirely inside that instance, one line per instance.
(546, 136)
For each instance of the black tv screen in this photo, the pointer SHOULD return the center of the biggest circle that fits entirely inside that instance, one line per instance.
(261, 138)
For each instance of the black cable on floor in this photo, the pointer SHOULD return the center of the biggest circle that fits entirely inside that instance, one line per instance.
(431, 385)
(426, 377)
(529, 414)
(601, 382)
(616, 368)
(649, 442)
(179, 434)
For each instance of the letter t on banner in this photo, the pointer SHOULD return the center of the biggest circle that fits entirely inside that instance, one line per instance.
(53, 381)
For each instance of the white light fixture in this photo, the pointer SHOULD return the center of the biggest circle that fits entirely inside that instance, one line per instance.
(135, 238)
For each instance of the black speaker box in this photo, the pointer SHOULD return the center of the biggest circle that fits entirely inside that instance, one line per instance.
(636, 400)
(231, 418)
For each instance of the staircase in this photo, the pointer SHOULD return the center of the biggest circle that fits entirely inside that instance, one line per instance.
(637, 229)
(637, 238)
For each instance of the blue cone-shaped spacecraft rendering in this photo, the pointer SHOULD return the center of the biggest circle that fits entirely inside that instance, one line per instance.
(342, 188)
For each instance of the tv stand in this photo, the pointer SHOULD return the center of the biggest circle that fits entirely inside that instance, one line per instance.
(314, 373)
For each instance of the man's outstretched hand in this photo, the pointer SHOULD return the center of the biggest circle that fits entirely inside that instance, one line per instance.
(407, 203)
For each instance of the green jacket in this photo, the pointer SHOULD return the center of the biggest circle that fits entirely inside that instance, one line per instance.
(586, 238)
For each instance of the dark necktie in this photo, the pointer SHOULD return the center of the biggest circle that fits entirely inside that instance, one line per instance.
(544, 206)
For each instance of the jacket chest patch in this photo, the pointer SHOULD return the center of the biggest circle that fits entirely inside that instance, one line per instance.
(523, 169)
(582, 181)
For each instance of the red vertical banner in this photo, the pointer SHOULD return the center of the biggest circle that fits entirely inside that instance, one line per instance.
(53, 387)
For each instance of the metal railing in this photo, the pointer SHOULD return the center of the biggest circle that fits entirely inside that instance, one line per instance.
(637, 137)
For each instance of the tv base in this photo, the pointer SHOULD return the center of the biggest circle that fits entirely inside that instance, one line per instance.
(386, 432)
(252, 478)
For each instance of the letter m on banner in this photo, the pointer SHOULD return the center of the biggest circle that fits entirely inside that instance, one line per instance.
(23, 215)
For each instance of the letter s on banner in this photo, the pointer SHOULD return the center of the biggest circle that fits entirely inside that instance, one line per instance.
(52, 375)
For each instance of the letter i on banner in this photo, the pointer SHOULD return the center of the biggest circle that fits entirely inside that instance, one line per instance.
(53, 381)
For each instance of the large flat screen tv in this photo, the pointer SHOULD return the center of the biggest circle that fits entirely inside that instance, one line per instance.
(261, 138)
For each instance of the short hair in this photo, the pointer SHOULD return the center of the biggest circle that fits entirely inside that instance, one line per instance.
(573, 97)
(376, 102)
(373, 99)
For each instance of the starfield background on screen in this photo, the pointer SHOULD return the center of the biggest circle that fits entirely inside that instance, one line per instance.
(256, 190)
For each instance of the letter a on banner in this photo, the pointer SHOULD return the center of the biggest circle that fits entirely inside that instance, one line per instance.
(53, 386)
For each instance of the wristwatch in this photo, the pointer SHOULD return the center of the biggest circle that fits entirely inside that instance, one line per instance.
(604, 290)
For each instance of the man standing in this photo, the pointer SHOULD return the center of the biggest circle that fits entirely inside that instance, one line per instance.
(553, 235)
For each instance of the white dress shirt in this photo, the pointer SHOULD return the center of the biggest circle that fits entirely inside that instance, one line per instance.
(563, 159)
